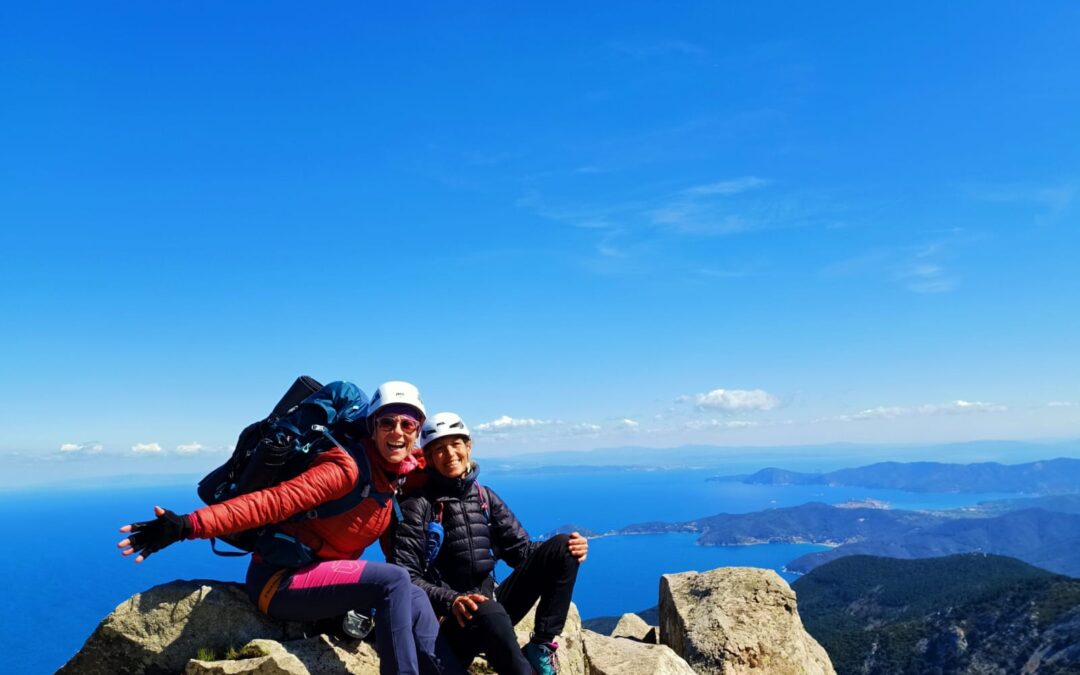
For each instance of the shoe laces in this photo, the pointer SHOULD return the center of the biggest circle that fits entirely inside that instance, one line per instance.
(549, 652)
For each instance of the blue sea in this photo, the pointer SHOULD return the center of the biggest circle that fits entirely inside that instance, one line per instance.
(64, 573)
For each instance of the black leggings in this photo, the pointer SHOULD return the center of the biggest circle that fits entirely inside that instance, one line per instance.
(548, 574)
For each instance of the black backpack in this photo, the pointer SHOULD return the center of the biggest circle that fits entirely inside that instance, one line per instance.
(281, 446)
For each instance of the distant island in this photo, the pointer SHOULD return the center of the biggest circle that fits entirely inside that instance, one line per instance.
(1048, 539)
(1043, 531)
(1054, 476)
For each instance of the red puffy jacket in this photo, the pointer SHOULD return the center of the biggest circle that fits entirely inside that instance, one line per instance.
(331, 475)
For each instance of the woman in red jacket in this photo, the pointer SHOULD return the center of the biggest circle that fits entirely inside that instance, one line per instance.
(336, 582)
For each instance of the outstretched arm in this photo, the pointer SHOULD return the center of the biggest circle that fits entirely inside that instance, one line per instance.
(330, 476)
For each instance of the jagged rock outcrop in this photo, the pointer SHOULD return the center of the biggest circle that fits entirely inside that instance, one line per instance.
(736, 621)
(634, 627)
(623, 656)
(730, 620)
(159, 630)
(309, 656)
(162, 630)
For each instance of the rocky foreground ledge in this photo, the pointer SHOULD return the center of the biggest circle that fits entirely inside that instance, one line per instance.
(731, 620)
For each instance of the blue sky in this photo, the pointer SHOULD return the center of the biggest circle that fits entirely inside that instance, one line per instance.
(577, 226)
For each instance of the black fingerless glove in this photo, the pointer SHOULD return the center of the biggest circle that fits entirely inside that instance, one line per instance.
(151, 536)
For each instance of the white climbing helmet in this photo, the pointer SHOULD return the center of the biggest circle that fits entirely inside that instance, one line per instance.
(396, 392)
(443, 424)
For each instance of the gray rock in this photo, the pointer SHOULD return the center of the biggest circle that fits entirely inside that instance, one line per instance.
(159, 630)
(736, 621)
(312, 656)
(620, 656)
(634, 627)
(277, 661)
(730, 620)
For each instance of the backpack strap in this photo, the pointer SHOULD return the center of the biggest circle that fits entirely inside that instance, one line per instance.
(361, 491)
(485, 503)
(226, 554)
(433, 540)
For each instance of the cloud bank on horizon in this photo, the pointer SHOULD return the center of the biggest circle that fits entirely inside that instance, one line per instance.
(688, 414)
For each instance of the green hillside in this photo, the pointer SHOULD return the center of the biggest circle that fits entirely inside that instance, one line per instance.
(971, 613)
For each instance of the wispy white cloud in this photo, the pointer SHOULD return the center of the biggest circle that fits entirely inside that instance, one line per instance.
(957, 407)
(1055, 196)
(506, 427)
(727, 273)
(698, 425)
(1062, 404)
(926, 278)
(506, 422)
(715, 209)
(609, 251)
(89, 448)
(732, 186)
(733, 400)
(919, 269)
(696, 218)
(865, 263)
(627, 423)
(718, 208)
(189, 448)
(652, 50)
(582, 429)
(147, 448)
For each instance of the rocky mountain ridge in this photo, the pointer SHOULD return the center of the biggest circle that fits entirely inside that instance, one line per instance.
(736, 621)
(1048, 539)
(956, 615)
(1051, 476)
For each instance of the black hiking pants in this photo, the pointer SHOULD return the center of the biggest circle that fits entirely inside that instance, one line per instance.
(549, 575)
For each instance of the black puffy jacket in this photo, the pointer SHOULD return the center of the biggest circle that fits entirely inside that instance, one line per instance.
(472, 540)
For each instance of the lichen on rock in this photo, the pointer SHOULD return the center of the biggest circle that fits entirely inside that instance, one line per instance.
(736, 621)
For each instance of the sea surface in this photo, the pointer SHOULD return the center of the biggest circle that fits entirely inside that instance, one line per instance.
(64, 573)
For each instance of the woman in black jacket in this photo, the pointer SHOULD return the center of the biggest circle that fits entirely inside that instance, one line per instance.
(476, 528)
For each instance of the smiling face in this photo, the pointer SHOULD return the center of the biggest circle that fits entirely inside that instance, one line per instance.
(450, 455)
(395, 436)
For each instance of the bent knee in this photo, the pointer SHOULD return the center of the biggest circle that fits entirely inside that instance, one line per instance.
(394, 580)
(490, 612)
(559, 546)
(398, 578)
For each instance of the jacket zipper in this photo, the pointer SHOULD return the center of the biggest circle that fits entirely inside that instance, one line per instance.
(468, 533)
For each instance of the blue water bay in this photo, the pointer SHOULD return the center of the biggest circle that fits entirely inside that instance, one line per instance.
(604, 501)
(64, 572)
(622, 574)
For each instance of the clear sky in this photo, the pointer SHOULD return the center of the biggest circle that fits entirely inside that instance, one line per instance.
(579, 225)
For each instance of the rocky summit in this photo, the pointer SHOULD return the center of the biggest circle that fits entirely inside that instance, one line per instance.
(737, 620)
(729, 620)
